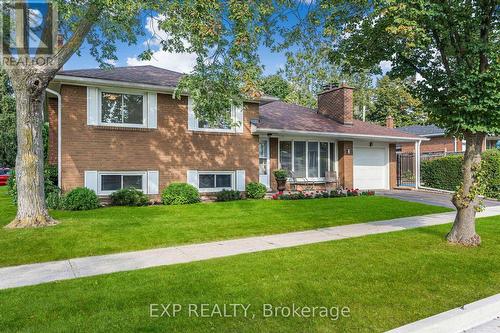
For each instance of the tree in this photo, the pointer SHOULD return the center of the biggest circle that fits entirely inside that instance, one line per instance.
(452, 48)
(392, 97)
(30, 72)
(277, 86)
(224, 35)
(8, 146)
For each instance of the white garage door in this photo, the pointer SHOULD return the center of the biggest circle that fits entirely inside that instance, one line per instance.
(370, 168)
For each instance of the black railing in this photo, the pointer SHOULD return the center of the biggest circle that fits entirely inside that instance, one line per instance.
(405, 169)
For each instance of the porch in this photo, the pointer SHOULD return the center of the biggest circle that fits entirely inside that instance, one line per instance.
(327, 162)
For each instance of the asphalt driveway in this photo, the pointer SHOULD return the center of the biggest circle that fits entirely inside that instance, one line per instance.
(427, 197)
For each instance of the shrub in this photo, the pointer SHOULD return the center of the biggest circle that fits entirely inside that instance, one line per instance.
(129, 197)
(50, 178)
(180, 194)
(280, 174)
(255, 190)
(81, 198)
(54, 200)
(444, 173)
(228, 195)
(337, 194)
(11, 186)
(490, 168)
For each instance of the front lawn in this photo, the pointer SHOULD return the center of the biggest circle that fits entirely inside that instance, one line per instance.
(386, 280)
(118, 229)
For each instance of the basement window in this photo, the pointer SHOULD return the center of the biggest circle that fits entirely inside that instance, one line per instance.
(111, 182)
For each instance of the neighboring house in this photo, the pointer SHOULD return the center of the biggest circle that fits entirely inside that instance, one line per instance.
(121, 127)
(439, 142)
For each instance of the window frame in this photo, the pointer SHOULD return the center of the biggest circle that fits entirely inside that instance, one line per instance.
(330, 167)
(195, 126)
(144, 95)
(215, 173)
(143, 174)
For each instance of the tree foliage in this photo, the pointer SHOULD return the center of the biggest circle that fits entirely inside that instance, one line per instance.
(452, 46)
(277, 86)
(392, 97)
(8, 144)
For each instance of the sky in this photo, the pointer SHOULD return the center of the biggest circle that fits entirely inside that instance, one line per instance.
(127, 55)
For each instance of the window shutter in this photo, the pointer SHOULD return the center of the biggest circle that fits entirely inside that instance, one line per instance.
(238, 117)
(240, 180)
(153, 182)
(192, 177)
(152, 110)
(192, 122)
(92, 106)
(90, 180)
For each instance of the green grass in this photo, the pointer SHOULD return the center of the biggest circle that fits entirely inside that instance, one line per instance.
(118, 229)
(386, 280)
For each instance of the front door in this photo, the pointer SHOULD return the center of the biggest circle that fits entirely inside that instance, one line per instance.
(264, 161)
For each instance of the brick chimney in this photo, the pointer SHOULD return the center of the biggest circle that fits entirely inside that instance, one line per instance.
(389, 122)
(336, 102)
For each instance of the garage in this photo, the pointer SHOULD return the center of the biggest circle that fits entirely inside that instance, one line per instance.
(370, 168)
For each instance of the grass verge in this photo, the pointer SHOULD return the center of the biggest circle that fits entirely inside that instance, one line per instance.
(119, 229)
(386, 280)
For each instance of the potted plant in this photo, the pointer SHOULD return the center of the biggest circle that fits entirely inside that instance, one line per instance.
(281, 176)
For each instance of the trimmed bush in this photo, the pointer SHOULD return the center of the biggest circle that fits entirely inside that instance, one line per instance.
(446, 172)
(255, 190)
(180, 194)
(443, 173)
(228, 195)
(81, 198)
(491, 172)
(129, 197)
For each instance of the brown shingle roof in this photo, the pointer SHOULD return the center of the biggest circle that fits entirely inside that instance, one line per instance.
(133, 74)
(290, 117)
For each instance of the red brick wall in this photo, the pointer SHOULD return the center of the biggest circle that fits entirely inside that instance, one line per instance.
(337, 104)
(52, 112)
(171, 149)
(393, 181)
(273, 160)
(345, 162)
(436, 144)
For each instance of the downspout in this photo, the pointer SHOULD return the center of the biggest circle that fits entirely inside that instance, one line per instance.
(58, 135)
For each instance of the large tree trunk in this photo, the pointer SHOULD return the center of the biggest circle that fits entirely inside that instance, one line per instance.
(465, 200)
(31, 209)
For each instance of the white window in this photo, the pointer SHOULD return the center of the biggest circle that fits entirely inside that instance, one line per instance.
(215, 181)
(307, 159)
(236, 117)
(109, 182)
(111, 107)
(122, 109)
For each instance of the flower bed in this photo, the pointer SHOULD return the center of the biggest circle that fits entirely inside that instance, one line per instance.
(300, 195)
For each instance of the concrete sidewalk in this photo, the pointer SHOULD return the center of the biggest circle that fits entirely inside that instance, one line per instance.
(32, 274)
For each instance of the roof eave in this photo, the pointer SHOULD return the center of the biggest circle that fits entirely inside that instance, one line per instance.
(85, 81)
(257, 130)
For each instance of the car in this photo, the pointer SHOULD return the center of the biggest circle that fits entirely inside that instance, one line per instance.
(4, 176)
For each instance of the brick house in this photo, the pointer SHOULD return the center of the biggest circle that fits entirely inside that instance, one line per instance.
(439, 142)
(111, 129)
